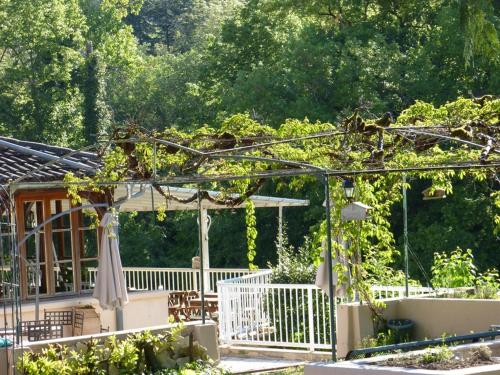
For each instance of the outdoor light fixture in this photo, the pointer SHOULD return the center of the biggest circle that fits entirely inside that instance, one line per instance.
(348, 188)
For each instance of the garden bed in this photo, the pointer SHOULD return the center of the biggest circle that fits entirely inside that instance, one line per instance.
(460, 360)
(443, 359)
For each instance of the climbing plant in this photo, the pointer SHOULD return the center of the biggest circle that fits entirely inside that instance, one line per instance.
(251, 223)
(439, 143)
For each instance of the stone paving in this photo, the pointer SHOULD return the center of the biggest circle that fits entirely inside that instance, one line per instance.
(241, 365)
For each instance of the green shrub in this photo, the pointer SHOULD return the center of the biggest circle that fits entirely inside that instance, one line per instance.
(440, 354)
(454, 270)
(488, 284)
(383, 338)
(142, 353)
(294, 266)
(457, 270)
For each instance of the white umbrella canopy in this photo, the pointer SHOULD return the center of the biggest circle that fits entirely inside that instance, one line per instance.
(110, 288)
(322, 274)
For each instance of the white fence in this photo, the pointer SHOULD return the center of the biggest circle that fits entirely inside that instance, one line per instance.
(252, 311)
(146, 278)
(384, 292)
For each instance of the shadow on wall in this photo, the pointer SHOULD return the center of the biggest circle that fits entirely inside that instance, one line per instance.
(433, 317)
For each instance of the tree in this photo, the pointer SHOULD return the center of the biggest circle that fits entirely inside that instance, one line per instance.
(177, 26)
(41, 43)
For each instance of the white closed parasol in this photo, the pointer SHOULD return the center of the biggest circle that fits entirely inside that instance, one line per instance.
(110, 288)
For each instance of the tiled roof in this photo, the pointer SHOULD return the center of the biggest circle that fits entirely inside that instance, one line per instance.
(18, 158)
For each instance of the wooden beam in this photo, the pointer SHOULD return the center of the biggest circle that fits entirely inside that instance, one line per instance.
(49, 255)
(19, 209)
(76, 249)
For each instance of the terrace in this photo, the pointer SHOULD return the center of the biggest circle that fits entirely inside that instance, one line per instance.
(58, 268)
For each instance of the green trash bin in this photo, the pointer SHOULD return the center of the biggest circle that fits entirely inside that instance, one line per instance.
(402, 329)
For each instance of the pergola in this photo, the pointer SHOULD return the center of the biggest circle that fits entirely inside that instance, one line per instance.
(412, 135)
(60, 242)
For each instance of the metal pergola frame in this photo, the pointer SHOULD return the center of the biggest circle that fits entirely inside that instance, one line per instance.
(293, 168)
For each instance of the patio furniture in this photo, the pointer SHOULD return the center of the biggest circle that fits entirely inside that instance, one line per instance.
(78, 323)
(176, 302)
(62, 317)
(103, 330)
(193, 309)
(190, 295)
(38, 330)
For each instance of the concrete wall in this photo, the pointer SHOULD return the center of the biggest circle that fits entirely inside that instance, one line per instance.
(204, 334)
(433, 317)
(145, 309)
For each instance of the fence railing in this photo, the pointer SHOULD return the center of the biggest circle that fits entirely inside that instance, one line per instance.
(253, 311)
(183, 279)
(385, 292)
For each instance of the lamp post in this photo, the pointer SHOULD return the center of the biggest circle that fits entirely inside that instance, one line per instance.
(353, 211)
(348, 186)
(329, 262)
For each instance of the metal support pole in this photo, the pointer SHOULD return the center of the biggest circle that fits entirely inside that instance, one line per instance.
(205, 259)
(329, 262)
(405, 234)
(200, 242)
(280, 226)
(38, 275)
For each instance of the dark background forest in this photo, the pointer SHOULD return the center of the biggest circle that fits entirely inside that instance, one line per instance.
(72, 70)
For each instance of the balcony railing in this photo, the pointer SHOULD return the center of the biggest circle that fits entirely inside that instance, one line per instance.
(253, 311)
(183, 279)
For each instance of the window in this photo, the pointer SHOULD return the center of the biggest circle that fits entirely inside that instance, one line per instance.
(60, 256)
(62, 247)
(88, 250)
(35, 248)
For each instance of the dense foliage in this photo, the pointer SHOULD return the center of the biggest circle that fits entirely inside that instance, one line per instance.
(71, 70)
(457, 270)
(141, 353)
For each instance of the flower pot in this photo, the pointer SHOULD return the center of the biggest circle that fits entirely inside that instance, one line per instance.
(402, 329)
(91, 320)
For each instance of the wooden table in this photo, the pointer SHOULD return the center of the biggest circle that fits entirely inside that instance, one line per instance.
(211, 301)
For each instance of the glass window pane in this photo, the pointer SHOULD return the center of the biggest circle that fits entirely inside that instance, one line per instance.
(63, 276)
(33, 215)
(56, 207)
(36, 275)
(34, 243)
(88, 274)
(61, 242)
(35, 280)
(88, 218)
(89, 243)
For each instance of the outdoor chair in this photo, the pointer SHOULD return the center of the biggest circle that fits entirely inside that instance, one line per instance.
(63, 317)
(176, 302)
(78, 323)
(38, 330)
(103, 330)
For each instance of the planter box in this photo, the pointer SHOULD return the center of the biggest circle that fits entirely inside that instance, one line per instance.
(91, 320)
(369, 367)
(433, 317)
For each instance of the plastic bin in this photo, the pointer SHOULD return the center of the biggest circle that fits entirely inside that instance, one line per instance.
(5, 356)
(402, 329)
